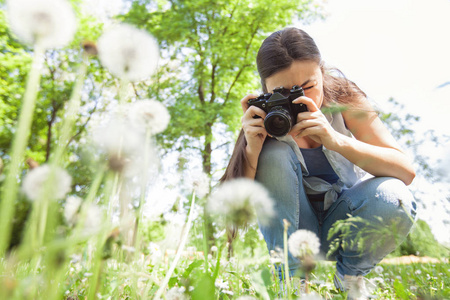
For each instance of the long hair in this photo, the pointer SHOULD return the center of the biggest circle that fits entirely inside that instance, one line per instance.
(278, 52)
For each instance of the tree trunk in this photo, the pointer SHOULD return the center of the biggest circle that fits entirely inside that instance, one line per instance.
(206, 155)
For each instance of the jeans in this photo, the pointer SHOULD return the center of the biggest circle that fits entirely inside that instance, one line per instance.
(386, 197)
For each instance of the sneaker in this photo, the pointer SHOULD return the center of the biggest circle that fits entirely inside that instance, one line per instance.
(357, 287)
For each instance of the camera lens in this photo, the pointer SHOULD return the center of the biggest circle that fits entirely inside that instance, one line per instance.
(278, 122)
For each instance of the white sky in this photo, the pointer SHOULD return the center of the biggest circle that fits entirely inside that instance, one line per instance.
(399, 49)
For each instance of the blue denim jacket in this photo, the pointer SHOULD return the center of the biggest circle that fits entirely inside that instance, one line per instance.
(349, 174)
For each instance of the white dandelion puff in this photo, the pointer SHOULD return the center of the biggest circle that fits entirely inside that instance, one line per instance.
(311, 296)
(200, 183)
(49, 23)
(378, 269)
(303, 242)
(128, 52)
(148, 115)
(276, 256)
(235, 199)
(93, 219)
(358, 287)
(35, 182)
(71, 208)
(176, 293)
(123, 146)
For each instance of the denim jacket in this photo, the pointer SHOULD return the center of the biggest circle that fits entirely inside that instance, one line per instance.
(349, 174)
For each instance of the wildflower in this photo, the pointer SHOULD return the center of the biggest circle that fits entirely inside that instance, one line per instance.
(276, 256)
(50, 23)
(71, 209)
(176, 293)
(35, 182)
(303, 242)
(214, 249)
(128, 52)
(93, 219)
(121, 144)
(418, 272)
(148, 115)
(235, 199)
(220, 284)
(378, 269)
(311, 296)
(358, 287)
(246, 297)
(200, 183)
(128, 248)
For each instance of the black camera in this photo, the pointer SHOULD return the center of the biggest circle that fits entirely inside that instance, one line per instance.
(281, 112)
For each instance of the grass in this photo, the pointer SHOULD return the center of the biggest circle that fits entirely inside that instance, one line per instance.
(140, 278)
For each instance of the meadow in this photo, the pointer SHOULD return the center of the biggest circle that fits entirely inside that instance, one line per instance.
(78, 219)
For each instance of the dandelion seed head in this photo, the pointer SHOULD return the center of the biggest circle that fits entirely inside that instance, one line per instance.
(200, 183)
(71, 208)
(35, 181)
(128, 52)
(358, 287)
(276, 256)
(235, 199)
(176, 293)
(378, 269)
(303, 242)
(149, 115)
(311, 296)
(94, 219)
(51, 23)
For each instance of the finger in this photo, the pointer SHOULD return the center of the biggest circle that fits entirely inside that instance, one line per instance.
(253, 111)
(259, 122)
(315, 130)
(244, 101)
(254, 131)
(309, 115)
(307, 123)
(310, 104)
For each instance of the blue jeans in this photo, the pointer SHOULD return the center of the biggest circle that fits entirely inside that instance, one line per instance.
(386, 197)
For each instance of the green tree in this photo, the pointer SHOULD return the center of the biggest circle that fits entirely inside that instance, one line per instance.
(209, 50)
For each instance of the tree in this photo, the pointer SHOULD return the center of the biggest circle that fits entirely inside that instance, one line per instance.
(209, 49)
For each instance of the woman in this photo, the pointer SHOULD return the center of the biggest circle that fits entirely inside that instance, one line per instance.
(330, 165)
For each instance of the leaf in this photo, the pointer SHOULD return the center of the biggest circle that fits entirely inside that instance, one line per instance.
(400, 290)
(196, 263)
(262, 281)
(203, 288)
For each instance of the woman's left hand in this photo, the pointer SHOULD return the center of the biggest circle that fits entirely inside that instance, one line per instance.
(314, 124)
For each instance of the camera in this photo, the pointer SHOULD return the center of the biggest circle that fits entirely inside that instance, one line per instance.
(281, 112)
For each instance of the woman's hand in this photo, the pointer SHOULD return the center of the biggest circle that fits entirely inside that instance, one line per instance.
(314, 124)
(253, 126)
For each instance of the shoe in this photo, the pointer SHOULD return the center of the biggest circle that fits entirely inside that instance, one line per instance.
(357, 287)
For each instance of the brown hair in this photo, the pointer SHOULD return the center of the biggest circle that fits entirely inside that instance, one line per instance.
(278, 52)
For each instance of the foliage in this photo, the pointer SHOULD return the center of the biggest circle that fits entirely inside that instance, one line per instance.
(209, 49)
(421, 242)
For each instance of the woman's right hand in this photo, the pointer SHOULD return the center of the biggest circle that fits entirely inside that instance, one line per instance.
(254, 130)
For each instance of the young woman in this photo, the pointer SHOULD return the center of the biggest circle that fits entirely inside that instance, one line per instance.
(333, 163)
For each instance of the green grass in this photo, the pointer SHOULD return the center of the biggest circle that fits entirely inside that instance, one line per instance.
(139, 279)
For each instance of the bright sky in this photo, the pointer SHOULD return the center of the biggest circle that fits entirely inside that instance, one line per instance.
(398, 49)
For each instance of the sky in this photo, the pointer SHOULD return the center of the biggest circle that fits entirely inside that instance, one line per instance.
(399, 49)
(390, 48)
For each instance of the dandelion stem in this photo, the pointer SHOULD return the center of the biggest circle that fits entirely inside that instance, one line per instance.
(286, 263)
(72, 110)
(19, 145)
(179, 251)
